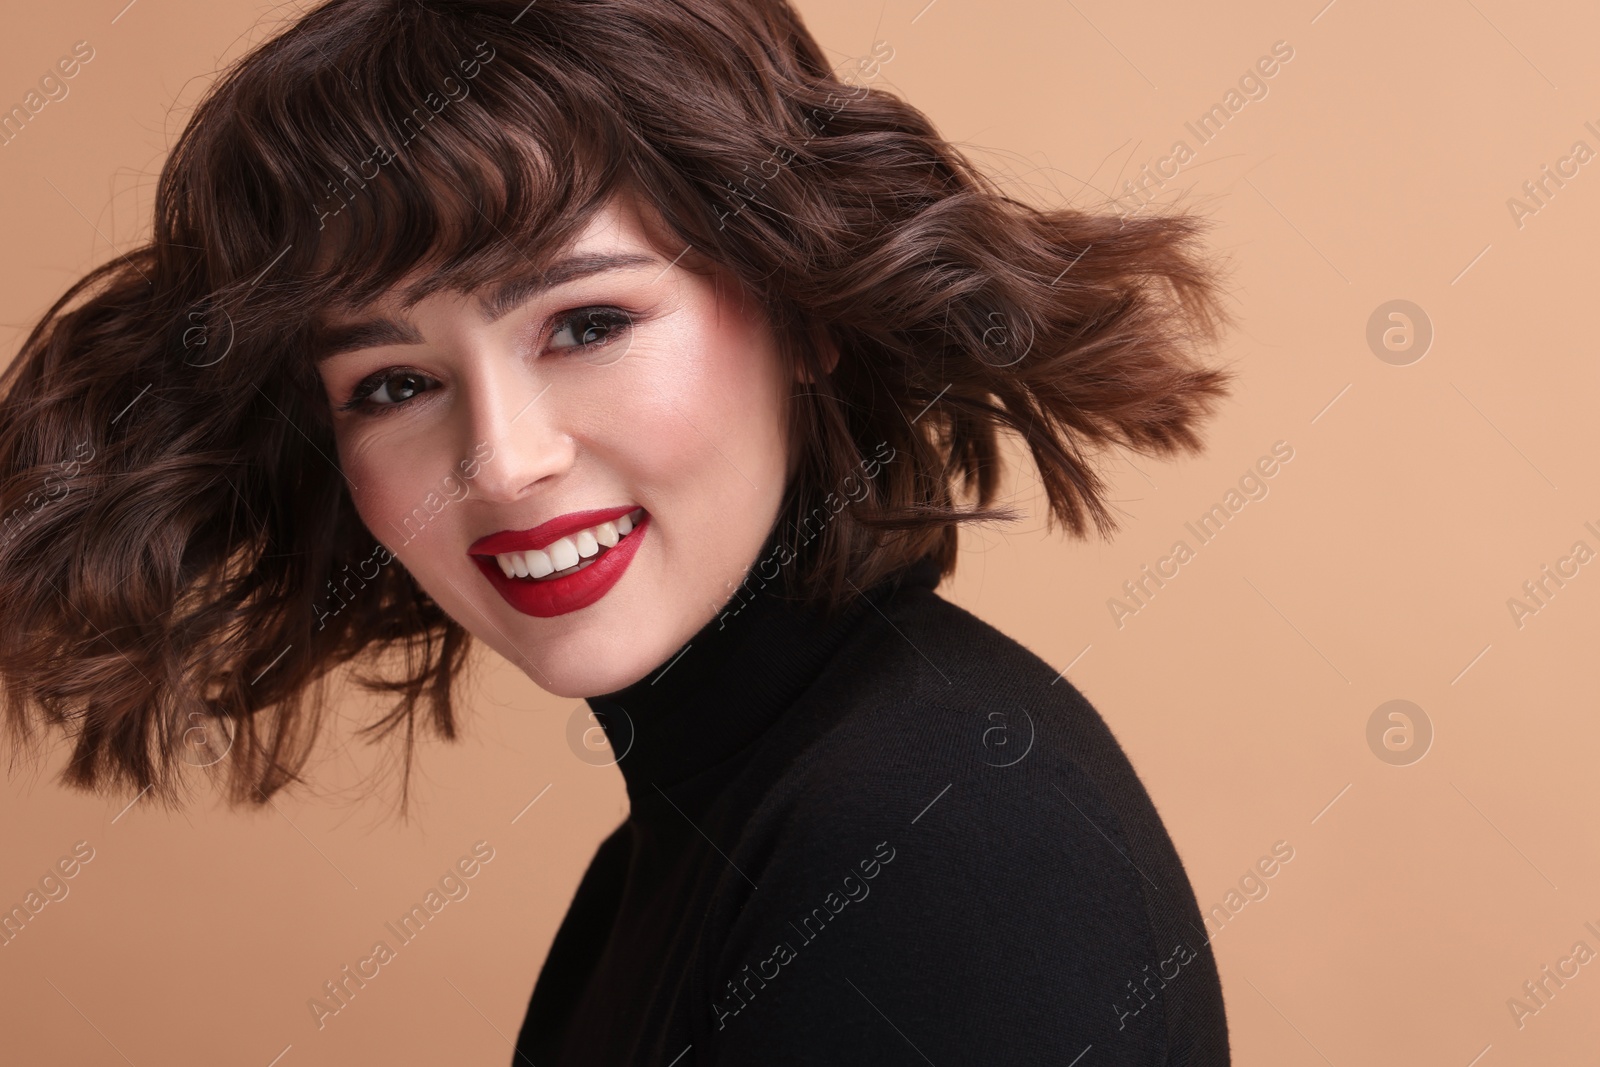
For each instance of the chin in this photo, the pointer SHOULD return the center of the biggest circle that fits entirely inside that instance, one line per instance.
(583, 671)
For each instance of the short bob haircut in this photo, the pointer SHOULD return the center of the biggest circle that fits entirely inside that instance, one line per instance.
(171, 515)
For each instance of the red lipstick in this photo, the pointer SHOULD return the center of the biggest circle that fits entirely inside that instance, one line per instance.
(546, 533)
(547, 598)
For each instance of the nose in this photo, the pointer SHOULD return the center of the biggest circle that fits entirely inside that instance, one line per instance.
(516, 434)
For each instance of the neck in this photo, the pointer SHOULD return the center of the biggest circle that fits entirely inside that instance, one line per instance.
(677, 729)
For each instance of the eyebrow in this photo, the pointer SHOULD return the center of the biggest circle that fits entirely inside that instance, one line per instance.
(500, 301)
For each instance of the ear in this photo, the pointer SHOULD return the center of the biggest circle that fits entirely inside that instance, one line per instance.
(830, 358)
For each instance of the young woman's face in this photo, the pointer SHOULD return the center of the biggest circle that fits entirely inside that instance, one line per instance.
(500, 450)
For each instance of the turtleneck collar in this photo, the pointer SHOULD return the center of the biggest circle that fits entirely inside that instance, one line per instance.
(730, 682)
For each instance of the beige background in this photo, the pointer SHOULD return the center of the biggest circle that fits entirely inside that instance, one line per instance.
(1418, 500)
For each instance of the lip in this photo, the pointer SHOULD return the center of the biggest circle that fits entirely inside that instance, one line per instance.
(546, 533)
(547, 599)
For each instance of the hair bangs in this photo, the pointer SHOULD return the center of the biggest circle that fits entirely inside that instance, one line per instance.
(433, 161)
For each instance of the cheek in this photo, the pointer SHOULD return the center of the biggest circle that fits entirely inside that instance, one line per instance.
(396, 489)
(699, 435)
(714, 413)
(379, 506)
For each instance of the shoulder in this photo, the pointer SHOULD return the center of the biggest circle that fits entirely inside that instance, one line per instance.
(959, 851)
(945, 727)
(929, 694)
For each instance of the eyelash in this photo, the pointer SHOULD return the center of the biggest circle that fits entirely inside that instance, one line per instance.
(613, 319)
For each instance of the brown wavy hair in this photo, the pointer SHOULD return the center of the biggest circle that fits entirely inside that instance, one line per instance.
(171, 512)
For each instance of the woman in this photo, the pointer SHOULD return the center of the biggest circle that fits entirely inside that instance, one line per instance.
(627, 338)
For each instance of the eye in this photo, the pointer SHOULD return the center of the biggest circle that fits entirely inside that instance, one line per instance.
(583, 329)
(387, 389)
(590, 327)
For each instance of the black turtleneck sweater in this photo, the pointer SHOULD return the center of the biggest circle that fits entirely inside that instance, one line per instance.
(896, 837)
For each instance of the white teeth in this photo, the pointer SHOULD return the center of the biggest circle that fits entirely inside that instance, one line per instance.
(563, 554)
(570, 550)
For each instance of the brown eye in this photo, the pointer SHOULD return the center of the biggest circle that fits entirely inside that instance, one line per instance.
(590, 327)
(388, 388)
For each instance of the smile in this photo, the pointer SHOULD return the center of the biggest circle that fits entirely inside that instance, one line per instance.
(570, 554)
(561, 566)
